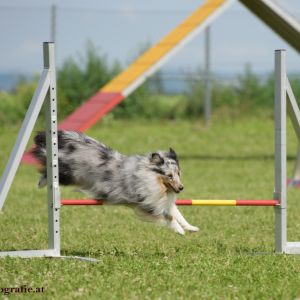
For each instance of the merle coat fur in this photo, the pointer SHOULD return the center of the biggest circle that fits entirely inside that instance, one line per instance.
(148, 182)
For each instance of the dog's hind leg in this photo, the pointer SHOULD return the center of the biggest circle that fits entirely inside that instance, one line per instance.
(42, 181)
(182, 221)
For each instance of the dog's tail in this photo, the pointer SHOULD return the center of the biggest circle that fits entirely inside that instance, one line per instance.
(40, 153)
(78, 155)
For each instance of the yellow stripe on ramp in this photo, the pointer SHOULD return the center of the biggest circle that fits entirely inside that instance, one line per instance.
(157, 52)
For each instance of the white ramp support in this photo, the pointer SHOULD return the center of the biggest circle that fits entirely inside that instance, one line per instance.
(295, 117)
(293, 109)
(277, 19)
(23, 136)
(45, 92)
(295, 180)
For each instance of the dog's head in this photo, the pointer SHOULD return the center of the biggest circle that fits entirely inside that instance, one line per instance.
(167, 166)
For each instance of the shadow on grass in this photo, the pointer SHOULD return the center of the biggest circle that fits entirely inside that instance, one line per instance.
(97, 254)
(82, 253)
(253, 251)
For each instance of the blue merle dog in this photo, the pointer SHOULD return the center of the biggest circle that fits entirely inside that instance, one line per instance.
(148, 182)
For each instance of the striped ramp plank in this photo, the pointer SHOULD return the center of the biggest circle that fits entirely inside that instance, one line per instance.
(127, 81)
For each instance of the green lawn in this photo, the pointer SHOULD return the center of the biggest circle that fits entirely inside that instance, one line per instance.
(232, 257)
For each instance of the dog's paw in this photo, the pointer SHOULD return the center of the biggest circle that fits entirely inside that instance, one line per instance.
(192, 228)
(180, 231)
(177, 228)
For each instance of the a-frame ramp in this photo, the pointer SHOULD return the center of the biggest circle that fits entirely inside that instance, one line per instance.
(131, 78)
(149, 62)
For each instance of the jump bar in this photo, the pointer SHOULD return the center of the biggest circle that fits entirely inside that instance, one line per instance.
(237, 202)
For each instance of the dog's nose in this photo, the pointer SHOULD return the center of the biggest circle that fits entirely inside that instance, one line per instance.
(181, 187)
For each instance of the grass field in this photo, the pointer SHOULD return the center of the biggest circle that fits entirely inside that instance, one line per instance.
(232, 257)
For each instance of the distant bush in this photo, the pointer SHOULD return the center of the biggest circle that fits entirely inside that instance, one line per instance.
(80, 78)
(248, 94)
(14, 104)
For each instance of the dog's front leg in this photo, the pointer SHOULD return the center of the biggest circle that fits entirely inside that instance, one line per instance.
(175, 226)
(181, 220)
(172, 223)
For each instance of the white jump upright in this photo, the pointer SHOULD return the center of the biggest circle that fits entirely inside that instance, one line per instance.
(45, 93)
(280, 150)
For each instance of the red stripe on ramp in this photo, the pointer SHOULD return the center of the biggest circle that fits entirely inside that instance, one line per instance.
(28, 158)
(91, 111)
(85, 116)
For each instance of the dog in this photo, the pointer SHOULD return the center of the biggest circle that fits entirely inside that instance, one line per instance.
(149, 183)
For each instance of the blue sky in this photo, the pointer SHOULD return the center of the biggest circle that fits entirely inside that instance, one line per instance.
(119, 28)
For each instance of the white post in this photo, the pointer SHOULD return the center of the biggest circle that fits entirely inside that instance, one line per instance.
(280, 151)
(52, 151)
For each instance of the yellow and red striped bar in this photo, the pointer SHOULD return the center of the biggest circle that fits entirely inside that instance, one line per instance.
(237, 202)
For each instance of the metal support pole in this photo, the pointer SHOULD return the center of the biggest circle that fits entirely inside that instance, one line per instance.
(23, 136)
(280, 151)
(52, 151)
(207, 79)
(53, 23)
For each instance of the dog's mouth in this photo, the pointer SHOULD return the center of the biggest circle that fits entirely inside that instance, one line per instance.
(171, 187)
(174, 189)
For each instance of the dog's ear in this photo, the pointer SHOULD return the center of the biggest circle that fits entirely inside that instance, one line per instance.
(156, 159)
(172, 154)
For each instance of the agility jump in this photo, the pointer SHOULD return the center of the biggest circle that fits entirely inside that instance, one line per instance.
(284, 102)
(46, 92)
